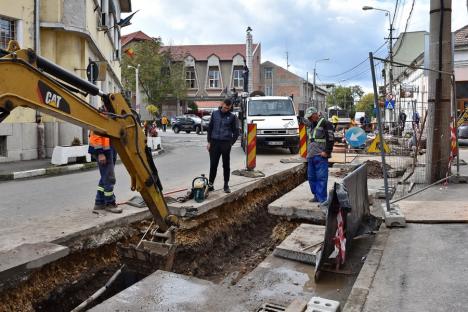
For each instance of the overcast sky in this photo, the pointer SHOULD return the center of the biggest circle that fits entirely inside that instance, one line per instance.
(308, 29)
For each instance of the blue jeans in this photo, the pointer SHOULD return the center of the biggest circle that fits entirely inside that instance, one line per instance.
(105, 190)
(317, 174)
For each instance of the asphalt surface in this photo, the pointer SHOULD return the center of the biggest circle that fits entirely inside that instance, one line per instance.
(53, 202)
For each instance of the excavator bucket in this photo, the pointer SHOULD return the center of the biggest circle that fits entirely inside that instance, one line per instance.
(156, 252)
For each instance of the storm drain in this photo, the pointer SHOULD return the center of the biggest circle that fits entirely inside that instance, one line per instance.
(271, 307)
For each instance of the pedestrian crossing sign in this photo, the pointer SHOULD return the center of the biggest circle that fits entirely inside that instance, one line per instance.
(374, 147)
(463, 119)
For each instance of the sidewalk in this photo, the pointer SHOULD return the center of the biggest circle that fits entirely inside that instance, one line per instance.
(423, 266)
(40, 167)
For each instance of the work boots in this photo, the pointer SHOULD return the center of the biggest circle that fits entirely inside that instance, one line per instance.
(114, 208)
(226, 188)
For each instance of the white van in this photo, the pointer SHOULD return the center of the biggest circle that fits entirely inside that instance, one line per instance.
(276, 120)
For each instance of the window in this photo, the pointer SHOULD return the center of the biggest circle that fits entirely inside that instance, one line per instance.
(190, 80)
(7, 32)
(3, 146)
(271, 108)
(268, 91)
(268, 73)
(213, 77)
(237, 78)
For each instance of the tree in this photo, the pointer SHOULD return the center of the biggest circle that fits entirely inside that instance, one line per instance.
(153, 110)
(161, 75)
(366, 104)
(344, 97)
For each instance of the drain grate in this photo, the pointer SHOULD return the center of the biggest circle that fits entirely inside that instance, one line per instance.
(271, 307)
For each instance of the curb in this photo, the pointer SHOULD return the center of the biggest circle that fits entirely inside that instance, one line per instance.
(358, 295)
(51, 171)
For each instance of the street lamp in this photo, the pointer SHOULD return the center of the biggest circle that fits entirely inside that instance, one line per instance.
(313, 86)
(390, 46)
(137, 91)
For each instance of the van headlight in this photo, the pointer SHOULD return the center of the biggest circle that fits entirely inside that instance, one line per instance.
(259, 132)
(293, 131)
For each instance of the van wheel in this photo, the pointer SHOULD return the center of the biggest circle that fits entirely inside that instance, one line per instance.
(187, 131)
(176, 129)
(294, 150)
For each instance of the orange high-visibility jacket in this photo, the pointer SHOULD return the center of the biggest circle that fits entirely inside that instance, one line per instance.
(98, 144)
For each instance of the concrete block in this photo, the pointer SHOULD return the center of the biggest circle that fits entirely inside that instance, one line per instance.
(302, 244)
(29, 173)
(394, 217)
(318, 304)
(27, 257)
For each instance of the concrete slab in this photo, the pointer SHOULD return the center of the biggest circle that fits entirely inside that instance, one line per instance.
(26, 258)
(296, 205)
(239, 187)
(434, 211)
(302, 243)
(165, 291)
(423, 268)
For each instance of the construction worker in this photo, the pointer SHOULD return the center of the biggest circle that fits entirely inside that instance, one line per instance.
(102, 151)
(164, 122)
(335, 121)
(319, 150)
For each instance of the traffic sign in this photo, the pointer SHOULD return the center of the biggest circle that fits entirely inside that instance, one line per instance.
(374, 147)
(389, 104)
(355, 136)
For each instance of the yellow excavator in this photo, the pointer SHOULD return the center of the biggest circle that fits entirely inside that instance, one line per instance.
(29, 80)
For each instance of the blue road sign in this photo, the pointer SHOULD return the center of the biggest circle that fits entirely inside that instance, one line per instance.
(355, 137)
(389, 104)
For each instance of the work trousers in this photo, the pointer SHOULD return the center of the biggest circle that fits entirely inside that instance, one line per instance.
(105, 190)
(164, 126)
(317, 174)
(220, 149)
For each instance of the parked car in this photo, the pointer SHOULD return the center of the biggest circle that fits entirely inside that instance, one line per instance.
(463, 135)
(188, 123)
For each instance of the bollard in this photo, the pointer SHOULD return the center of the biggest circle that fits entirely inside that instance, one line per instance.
(302, 140)
(251, 146)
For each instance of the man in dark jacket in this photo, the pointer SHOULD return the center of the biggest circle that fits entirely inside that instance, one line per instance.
(319, 149)
(223, 132)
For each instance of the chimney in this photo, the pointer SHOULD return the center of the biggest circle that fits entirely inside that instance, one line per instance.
(248, 53)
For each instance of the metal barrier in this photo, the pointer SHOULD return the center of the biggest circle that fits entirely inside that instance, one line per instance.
(348, 216)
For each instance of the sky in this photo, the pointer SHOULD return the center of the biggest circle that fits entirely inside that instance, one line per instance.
(308, 30)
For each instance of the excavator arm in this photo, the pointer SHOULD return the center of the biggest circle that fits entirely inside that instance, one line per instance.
(28, 80)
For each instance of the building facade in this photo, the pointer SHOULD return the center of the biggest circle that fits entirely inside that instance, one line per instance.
(277, 81)
(212, 71)
(70, 33)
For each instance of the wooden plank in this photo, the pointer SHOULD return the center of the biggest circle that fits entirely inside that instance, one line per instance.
(434, 211)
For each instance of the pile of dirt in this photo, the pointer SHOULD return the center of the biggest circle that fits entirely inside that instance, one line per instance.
(374, 170)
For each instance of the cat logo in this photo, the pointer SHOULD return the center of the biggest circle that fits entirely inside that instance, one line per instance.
(49, 97)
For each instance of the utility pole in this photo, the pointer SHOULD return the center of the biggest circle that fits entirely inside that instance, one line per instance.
(438, 122)
(287, 60)
(248, 46)
(307, 90)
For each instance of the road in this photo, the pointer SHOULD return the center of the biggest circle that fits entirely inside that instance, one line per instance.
(52, 201)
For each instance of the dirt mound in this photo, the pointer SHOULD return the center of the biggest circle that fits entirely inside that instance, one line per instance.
(374, 170)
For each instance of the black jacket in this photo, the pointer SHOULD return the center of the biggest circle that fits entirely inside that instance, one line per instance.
(223, 127)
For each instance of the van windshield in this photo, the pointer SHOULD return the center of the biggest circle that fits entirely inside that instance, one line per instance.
(271, 108)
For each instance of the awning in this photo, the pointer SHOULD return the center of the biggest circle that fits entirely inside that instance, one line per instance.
(208, 104)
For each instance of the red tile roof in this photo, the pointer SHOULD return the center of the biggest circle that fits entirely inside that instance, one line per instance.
(203, 52)
(137, 36)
